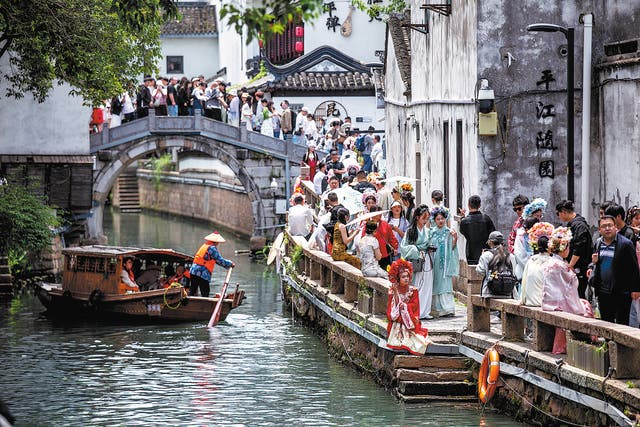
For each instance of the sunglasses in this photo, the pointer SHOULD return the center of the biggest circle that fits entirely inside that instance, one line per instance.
(518, 208)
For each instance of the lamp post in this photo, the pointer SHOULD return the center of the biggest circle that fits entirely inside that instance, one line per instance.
(569, 34)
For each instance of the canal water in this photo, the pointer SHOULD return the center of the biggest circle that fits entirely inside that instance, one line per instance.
(258, 368)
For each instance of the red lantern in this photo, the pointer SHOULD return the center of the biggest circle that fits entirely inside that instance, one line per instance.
(260, 43)
(299, 31)
(299, 47)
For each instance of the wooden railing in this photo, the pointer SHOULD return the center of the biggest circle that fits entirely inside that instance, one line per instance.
(623, 342)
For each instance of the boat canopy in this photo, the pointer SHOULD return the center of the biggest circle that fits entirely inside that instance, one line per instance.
(124, 251)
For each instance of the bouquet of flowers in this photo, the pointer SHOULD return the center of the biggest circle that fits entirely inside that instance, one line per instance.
(538, 230)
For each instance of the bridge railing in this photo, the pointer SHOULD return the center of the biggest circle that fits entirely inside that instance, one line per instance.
(195, 125)
(370, 294)
(623, 342)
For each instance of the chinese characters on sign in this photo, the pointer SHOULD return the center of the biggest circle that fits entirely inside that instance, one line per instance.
(544, 139)
(332, 21)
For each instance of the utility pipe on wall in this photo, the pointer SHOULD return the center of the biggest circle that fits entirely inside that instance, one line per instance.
(587, 21)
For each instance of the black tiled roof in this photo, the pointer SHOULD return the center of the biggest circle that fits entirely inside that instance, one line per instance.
(307, 82)
(197, 18)
(401, 38)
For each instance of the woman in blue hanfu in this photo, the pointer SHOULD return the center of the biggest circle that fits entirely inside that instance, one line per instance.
(446, 264)
(414, 249)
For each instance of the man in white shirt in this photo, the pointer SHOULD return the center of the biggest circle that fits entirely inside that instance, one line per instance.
(301, 120)
(300, 218)
(321, 173)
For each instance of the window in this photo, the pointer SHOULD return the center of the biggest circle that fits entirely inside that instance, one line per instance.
(175, 64)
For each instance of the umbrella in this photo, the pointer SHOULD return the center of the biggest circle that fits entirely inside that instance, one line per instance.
(365, 217)
(349, 198)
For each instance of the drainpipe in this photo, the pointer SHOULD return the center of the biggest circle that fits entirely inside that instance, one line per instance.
(587, 21)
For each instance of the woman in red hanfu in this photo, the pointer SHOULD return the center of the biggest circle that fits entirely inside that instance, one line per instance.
(405, 332)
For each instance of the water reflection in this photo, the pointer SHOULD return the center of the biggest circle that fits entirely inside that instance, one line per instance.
(256, 368)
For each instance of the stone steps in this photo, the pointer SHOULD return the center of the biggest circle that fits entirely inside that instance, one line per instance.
(426, 398)
(427, 376)
(434, 388)
(128, 193)
(441, 362)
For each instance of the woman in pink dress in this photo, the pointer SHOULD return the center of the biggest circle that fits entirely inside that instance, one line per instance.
(560, 291)
(405, 332)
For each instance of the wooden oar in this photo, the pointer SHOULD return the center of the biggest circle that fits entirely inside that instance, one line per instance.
(215, 316)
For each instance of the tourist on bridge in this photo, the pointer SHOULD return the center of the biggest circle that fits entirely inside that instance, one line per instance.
(336, 165)
(446, 263)
(287, 121)
(475, 227)
(311, 159)
(415, 248)
(614, 273)
(404, 330)
(246, 113)
(204, 262)
(518, 203)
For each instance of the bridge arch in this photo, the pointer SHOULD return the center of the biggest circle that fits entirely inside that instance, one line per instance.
(255, 159)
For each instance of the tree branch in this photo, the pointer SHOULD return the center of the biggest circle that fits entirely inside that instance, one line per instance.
(7, 43)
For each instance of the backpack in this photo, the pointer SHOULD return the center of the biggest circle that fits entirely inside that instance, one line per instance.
(116, 105)
(501, 278)
(360, 145)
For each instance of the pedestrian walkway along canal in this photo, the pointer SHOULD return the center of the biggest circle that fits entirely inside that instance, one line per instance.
(259, 367)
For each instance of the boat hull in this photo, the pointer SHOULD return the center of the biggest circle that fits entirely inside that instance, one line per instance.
(163, 305)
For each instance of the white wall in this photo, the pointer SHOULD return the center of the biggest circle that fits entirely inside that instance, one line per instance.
(365, 39)
(200, 55)
(60, 125)
(356, 106)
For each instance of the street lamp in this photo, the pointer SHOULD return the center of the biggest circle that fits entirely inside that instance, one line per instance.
(569, 34)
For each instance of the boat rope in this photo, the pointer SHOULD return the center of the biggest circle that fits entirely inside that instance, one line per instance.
(164, 297)
(521, 396)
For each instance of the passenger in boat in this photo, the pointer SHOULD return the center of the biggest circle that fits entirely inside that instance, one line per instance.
(405, 331)
(127, 280)
(179, 277)
(203, 263)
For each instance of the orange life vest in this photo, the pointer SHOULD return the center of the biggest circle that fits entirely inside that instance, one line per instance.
(199, 258)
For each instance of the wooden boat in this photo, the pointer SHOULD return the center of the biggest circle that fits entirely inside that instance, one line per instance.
(90, 288)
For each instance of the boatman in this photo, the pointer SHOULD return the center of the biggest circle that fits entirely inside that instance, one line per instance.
(203, 263)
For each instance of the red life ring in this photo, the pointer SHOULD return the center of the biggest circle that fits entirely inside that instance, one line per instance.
(488, 375)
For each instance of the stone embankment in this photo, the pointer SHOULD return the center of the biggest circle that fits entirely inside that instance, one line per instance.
(594, 384)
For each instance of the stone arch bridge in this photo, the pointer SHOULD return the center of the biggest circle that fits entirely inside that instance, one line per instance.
(254, 158)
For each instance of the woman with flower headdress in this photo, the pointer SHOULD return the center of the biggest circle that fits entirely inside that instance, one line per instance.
(445, 263)
(415, 249)
(560, 291)
(405, 331)
(534, 209)
(533, 274)
(369, 199)
(521, 248)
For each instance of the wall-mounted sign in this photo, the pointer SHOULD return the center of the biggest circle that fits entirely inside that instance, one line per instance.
(330, 109)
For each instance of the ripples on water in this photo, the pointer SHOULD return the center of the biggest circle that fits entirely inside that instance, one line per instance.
(257, 368)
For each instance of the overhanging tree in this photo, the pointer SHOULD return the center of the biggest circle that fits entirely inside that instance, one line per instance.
(99, 47)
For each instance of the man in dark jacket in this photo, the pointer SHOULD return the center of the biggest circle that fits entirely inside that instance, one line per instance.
(618, 214)
(616, 276)
(581, 244)
(475, 227)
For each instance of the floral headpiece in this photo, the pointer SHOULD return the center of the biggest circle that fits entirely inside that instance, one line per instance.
(439, 210)
(406, 187)
(370, 193)
(538, 230)
(560, 239)
(397, 267)
(374, 177)
(536, 205)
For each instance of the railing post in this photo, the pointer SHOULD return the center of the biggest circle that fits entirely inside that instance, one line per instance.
(197, 119)
(543, 336)
(625, 360)
(152, 119)
(512, 326)
(478, 314)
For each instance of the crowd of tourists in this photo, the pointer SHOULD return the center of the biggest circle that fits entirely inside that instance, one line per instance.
(185, 97)
(558, 267)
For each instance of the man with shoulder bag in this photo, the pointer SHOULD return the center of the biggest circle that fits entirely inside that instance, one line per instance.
(496, 264)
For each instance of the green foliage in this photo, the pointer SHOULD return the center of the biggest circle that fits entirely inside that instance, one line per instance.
(270, 17)
(160, 165)
(379, 10)
(29, 221)
(100, 47)
(631, 384)
(296, 255)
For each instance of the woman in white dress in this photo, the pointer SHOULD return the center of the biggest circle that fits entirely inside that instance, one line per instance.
(245, 111)
(414, 248)
(369, 252)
